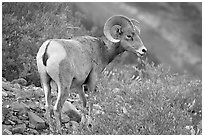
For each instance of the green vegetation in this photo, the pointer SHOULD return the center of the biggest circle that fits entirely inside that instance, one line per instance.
(25, 27)
(161, 103)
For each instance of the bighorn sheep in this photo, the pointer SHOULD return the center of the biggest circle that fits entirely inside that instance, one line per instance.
(73, 62)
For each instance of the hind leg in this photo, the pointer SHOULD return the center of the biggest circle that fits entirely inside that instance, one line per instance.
(45, 81)
(63, 93)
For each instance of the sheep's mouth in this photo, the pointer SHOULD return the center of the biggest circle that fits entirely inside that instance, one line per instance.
(139, 54)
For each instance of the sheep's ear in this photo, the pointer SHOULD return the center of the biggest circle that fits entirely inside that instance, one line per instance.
(136, 25)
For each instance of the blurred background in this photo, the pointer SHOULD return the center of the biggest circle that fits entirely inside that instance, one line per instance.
(172, 32)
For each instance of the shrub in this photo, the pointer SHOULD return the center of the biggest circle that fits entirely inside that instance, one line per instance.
(161, 103)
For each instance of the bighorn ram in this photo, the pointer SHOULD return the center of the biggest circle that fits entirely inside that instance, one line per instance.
(73, 62)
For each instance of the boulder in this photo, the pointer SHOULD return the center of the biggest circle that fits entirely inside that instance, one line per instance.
(71, 111)
(37, 121)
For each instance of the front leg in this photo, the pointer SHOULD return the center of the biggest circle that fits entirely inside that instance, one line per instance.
(82, 95)
(93, 78)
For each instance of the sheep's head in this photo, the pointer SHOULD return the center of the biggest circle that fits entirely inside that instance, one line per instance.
(127, 34)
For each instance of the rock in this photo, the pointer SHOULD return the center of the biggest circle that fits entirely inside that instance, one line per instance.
(5, 111)
(65, 118)
(89, 122)
(74, 116)
(8, 127)
(31, 126)
(9, 122)
(71, 111)
(4, 80)
(24, 94)
(4, 94)
(19, 129)
(20, 81)
(37, 121)
(6, 132)
(75, 126)
(68, 106)
(97, 109)
(31, 104)
(116, 90)
(23, 117)
(83, 119)
(19, 106)
(33, 131)
(67, 125)
(23, 113)
(17, 86)
(8, 87)
(7, 94)
(39, 91)
(15, 119)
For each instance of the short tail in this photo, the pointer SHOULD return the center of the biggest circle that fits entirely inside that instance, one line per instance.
(45, 56)
(42, 54)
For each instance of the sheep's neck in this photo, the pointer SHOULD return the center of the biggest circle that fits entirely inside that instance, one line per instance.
(113, 51)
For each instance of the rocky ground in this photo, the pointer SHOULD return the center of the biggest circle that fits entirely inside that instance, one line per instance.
(23, 110)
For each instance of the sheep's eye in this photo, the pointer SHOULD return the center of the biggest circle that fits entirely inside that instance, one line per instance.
(128, 36)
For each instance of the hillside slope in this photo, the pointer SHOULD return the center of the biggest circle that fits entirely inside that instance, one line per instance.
(171, 33)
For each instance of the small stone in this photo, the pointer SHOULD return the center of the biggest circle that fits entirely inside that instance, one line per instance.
(15, 119)
(39, 91)
(5, 111)
(65, 118)
(16, 86)
(6, 122)
(4, 80)
(20, 81)
(75, 125)
(67, 125)
(9, 122)
(4, 94)
(37, 121)
(19, 129)
(31, 104)
(33, 131)
(23, 113)
(8, 127)
(115, 90)
(97, 109)
(31, 125)
(23, 117)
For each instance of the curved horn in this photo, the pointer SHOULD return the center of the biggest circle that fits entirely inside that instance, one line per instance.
(116, 20)
(136, 24)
